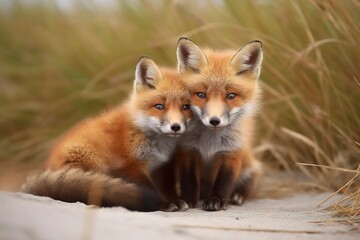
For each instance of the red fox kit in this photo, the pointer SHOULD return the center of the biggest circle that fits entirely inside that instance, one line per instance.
(224, 97)
(114, 154)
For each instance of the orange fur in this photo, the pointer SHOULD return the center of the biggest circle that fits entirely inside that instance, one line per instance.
(120, 142)
(227, 82)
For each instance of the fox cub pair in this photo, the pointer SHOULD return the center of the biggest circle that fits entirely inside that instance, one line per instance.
(183, 134)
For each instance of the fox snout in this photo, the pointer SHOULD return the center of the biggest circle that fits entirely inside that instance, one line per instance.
(214, 121)
(210, 119)
(173, 123)
(173, 129)
(224, 117)
(213, 114)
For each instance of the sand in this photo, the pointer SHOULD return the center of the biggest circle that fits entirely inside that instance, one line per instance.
(24, 216)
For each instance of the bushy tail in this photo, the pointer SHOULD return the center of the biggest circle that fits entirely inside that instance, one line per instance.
(76, 185)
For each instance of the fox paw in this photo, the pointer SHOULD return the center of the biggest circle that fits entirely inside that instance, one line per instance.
(236, 199)
(215, 204)
(176, 206)
(191, 203)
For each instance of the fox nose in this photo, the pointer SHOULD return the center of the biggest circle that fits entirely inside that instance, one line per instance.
(214, 121)
(175, 127)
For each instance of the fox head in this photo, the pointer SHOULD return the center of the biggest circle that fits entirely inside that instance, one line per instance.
(161, 99)
(223, 84)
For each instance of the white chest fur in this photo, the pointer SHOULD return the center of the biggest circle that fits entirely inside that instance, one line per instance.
(210, 141)
(157, 150)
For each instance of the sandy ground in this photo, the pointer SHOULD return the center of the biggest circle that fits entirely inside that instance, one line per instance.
(25, 216)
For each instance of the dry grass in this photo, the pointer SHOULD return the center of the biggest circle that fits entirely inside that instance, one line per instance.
(58, 67)
(347, 210)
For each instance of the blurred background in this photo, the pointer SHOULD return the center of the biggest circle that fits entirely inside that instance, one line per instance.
(62, 61)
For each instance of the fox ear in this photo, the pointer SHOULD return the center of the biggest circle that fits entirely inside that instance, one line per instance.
(190, 57)
(147, 74)
(248, 59)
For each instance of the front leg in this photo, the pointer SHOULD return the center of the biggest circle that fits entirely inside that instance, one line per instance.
(165, 180)
(189, 176)
(226, 170)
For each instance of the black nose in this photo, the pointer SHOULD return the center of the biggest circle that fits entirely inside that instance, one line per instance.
(175, 127)
(214, 121)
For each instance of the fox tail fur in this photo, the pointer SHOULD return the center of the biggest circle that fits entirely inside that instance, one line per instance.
(93, 188)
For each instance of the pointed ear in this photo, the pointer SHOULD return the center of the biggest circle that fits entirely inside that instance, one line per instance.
(190, 57)
(147, 74)
(248, 59)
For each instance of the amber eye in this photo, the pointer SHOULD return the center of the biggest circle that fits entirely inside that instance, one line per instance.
(201, 95)
(185, 107)
(231, 96)
(159, 107)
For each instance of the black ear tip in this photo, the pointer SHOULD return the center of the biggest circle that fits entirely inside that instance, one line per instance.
(143, 58)
(183, 39)
(256, 42)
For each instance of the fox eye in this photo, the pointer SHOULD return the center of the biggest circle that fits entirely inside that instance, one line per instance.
(201, 95)
(185, 107)
(231, 96)
(159, 107)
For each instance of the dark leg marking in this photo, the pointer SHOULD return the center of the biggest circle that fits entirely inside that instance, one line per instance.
(243, 190)
(221, 189)
(189, 184)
